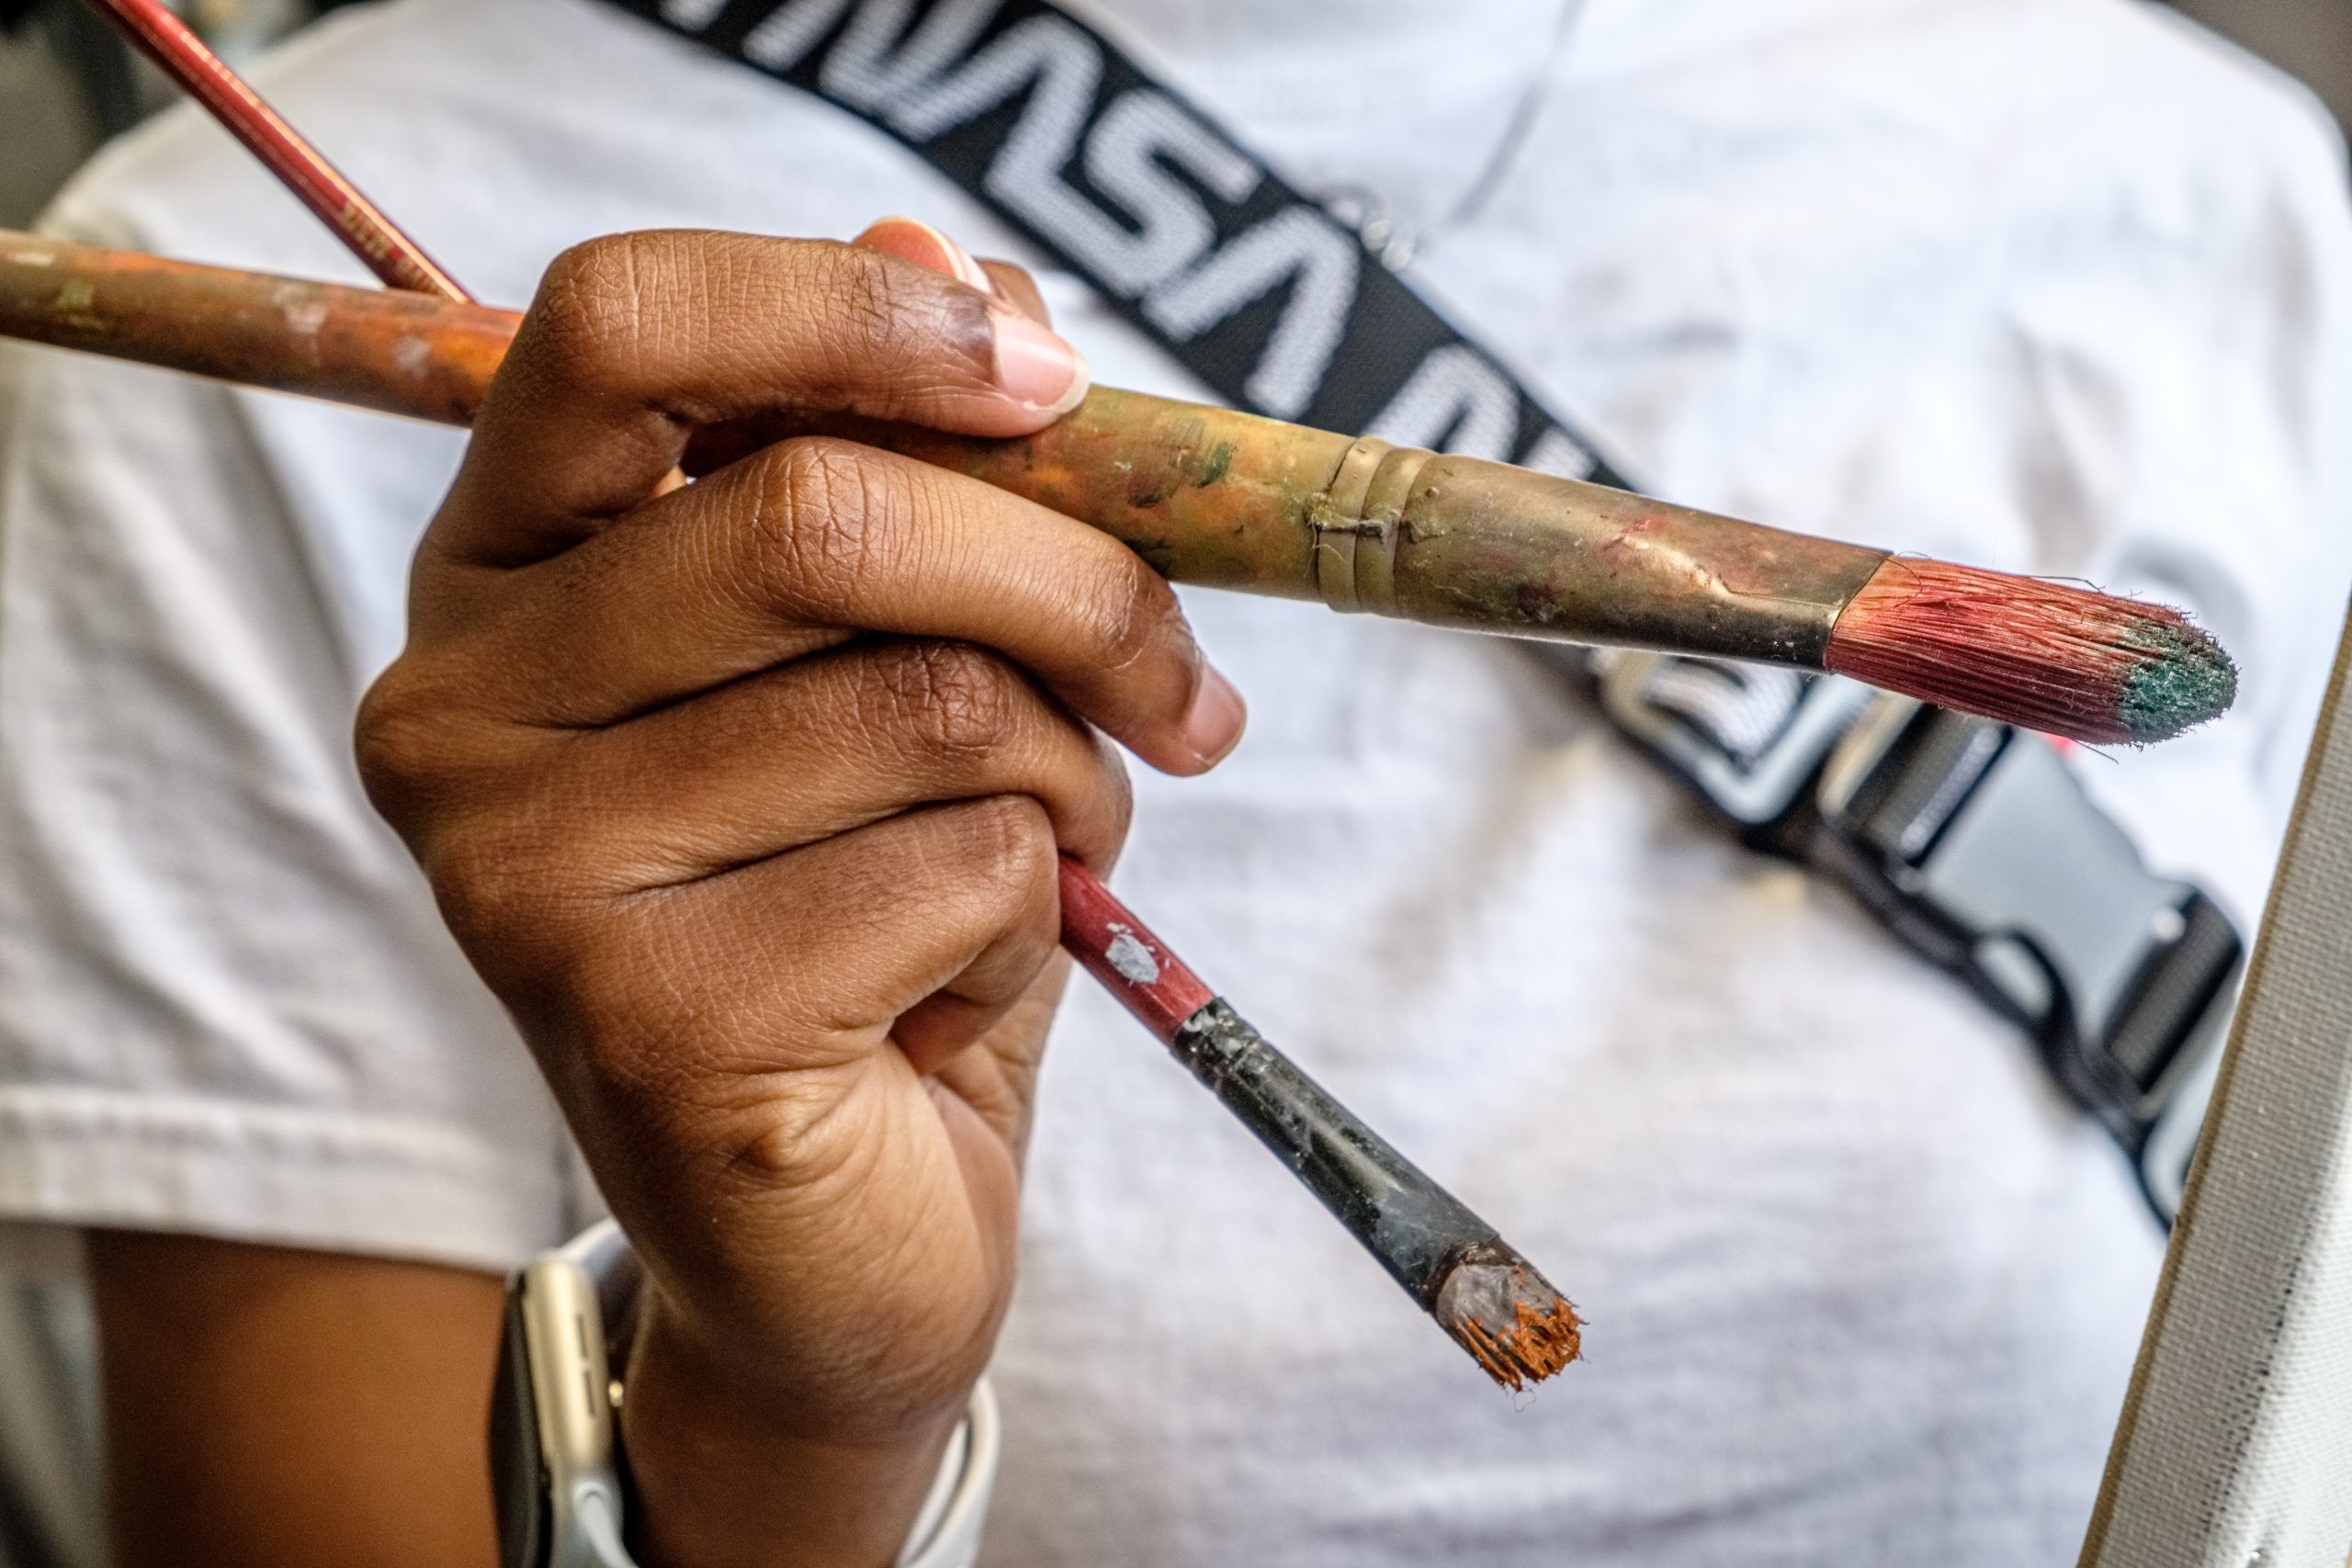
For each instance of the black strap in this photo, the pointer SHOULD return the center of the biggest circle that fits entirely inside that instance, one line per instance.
(1258, 291)
(1284, 309)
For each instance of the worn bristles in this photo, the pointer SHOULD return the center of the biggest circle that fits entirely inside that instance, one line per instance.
(1485, 1295)
(2047, 656)
(1508, 1316)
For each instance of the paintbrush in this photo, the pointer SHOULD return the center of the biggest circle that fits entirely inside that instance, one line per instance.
(152, 29)
(1480, 1291)
(1211, 496)
(1233, 501)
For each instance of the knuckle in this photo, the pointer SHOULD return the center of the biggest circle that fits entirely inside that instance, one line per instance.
(820, 526)
(401, 740)
(960, 702)
(1129, 616)
(425, 737)
(869, 298)
(480, 877)
(801, 1133)
(505, 888)
(885, 319)
(872, 307)
(1007, 848)
(586, 319)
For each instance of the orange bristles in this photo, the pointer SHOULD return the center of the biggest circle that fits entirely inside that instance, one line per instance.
(2045, 655)
(1516, 1327)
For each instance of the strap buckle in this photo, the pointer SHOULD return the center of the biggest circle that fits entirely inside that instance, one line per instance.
(1976, 844)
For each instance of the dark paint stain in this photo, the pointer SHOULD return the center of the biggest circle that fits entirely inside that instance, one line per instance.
(1149, 485)
(1147, 490)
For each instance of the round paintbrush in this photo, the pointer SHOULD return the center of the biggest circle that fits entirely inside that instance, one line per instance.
(1232, 501)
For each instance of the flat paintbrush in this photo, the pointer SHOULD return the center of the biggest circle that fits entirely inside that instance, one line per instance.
(1477, 1287)
(1479, 1290)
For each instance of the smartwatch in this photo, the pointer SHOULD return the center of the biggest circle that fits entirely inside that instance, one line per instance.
(554, 1454)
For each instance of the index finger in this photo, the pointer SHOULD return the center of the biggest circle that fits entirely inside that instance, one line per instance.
(636, 339)
(819, 539)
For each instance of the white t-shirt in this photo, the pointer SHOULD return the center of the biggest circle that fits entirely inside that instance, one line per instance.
(2056, 285)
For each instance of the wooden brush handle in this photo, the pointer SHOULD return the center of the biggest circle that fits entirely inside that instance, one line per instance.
(396, 353)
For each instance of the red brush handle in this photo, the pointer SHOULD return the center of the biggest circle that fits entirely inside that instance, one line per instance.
(186, 59)
(1120, 951)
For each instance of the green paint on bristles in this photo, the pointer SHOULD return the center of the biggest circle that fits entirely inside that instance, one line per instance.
(2191, 679)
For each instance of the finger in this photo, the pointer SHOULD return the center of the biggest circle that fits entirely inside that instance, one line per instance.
(636, 339)
(750, 565)
(772, 1085)
(992, 991)
(917, 241)
(911, 240)
(998, 1080)
(817, 749)
(1015, 283)
(804, 963)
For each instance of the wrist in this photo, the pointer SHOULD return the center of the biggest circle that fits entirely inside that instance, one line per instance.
(719, 1481)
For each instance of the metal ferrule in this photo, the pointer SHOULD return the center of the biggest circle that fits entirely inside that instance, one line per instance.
(1455, 541)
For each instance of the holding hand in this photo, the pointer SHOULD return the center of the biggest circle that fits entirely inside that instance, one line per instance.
(745, 798)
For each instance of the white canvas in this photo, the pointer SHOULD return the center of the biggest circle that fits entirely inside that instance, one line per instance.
(2235, 1445)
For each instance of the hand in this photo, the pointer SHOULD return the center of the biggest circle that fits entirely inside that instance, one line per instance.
(745, 799)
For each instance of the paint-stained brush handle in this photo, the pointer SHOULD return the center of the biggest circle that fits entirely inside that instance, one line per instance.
(1206, 495)
(1233, 501)
(394, 353)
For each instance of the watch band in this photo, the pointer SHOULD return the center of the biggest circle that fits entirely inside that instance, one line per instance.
(555, 1445)
(947, 1532)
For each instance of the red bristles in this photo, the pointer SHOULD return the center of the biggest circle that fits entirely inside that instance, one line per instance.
(2047, 656)
(392, 255)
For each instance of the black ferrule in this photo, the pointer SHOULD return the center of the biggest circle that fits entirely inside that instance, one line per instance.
(1417, 1229)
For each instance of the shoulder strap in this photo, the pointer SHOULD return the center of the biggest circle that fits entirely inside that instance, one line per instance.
(1970, 842)
(1260, 292)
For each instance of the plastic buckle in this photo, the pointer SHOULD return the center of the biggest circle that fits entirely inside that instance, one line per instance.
(1748, 738)
(1976, 844)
